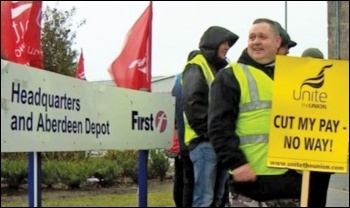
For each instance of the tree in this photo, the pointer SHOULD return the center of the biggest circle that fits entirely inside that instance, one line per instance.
(58, 39)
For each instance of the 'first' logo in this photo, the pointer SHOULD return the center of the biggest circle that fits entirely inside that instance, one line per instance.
(147, 122)
(161, 121)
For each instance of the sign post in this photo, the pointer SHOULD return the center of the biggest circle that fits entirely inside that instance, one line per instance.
(34, 179)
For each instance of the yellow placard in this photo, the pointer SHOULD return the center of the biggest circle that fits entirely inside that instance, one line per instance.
(309, 128)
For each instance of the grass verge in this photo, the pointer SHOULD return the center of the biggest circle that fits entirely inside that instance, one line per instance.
(155, 199)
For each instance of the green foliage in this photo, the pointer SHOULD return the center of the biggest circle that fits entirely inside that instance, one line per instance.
(159, 163)
(73, 168)
(130, 169)
(58, 39)
(14, 172)
(105, 170)
(72, 174)
(49, 173)
(66, 156)
(120, 154)
(113, 154)
(14, 155)
(151, 173)
(127, 160)
(63, 156)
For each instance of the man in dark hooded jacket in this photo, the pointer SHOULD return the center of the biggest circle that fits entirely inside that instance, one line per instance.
(184, 176)
(196, 79)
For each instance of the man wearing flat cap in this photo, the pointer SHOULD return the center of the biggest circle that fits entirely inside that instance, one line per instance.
(286, 43)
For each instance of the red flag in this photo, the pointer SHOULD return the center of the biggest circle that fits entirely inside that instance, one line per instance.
(21, 31)
(132, 68)
(80, 71)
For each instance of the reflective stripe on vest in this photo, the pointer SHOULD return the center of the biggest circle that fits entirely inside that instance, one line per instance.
(254, 117)
(254, 97)
(209, 77)
(262, 138)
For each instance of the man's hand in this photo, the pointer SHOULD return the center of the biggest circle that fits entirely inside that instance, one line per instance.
(244, 173)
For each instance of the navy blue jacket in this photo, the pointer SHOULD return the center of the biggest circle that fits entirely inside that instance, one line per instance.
(177, 93)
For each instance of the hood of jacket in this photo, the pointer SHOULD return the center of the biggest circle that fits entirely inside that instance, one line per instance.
(192, 54)
(210, 42)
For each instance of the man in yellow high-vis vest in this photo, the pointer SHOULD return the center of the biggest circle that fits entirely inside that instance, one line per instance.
(239, 119)
(199, 72)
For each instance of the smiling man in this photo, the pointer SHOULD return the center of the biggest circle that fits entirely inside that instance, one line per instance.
(239, 117)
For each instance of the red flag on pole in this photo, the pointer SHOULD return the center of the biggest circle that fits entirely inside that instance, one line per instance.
(132, 68)
(80, 71)
(21, 31)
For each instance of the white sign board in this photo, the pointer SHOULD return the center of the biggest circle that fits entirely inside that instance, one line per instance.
(44, 111)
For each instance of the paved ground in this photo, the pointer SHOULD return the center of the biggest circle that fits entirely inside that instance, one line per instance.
(338, 192)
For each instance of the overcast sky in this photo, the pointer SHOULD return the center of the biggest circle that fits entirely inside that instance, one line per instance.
(178, 26)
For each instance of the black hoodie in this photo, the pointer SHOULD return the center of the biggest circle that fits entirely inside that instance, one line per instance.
(195, 91)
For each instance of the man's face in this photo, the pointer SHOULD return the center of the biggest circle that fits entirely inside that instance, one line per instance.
(263, 43)
(223, 49)
(283, 51)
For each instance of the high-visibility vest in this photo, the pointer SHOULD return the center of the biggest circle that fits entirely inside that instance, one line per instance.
(199, 59)
(253, 121)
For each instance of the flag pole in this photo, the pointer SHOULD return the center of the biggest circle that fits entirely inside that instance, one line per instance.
(285, 15)
(34, 157)
(150, 48)
(143, 154)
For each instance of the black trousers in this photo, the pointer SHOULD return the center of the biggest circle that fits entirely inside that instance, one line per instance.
(318, 188)
(184, 181)
(269, 187)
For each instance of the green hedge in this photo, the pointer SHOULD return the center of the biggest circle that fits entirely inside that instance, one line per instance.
(72, 170)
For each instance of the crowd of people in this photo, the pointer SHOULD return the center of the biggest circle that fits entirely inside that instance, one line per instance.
(222, 119)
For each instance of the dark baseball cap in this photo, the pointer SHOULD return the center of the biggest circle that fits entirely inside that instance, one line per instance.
(286, 40)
